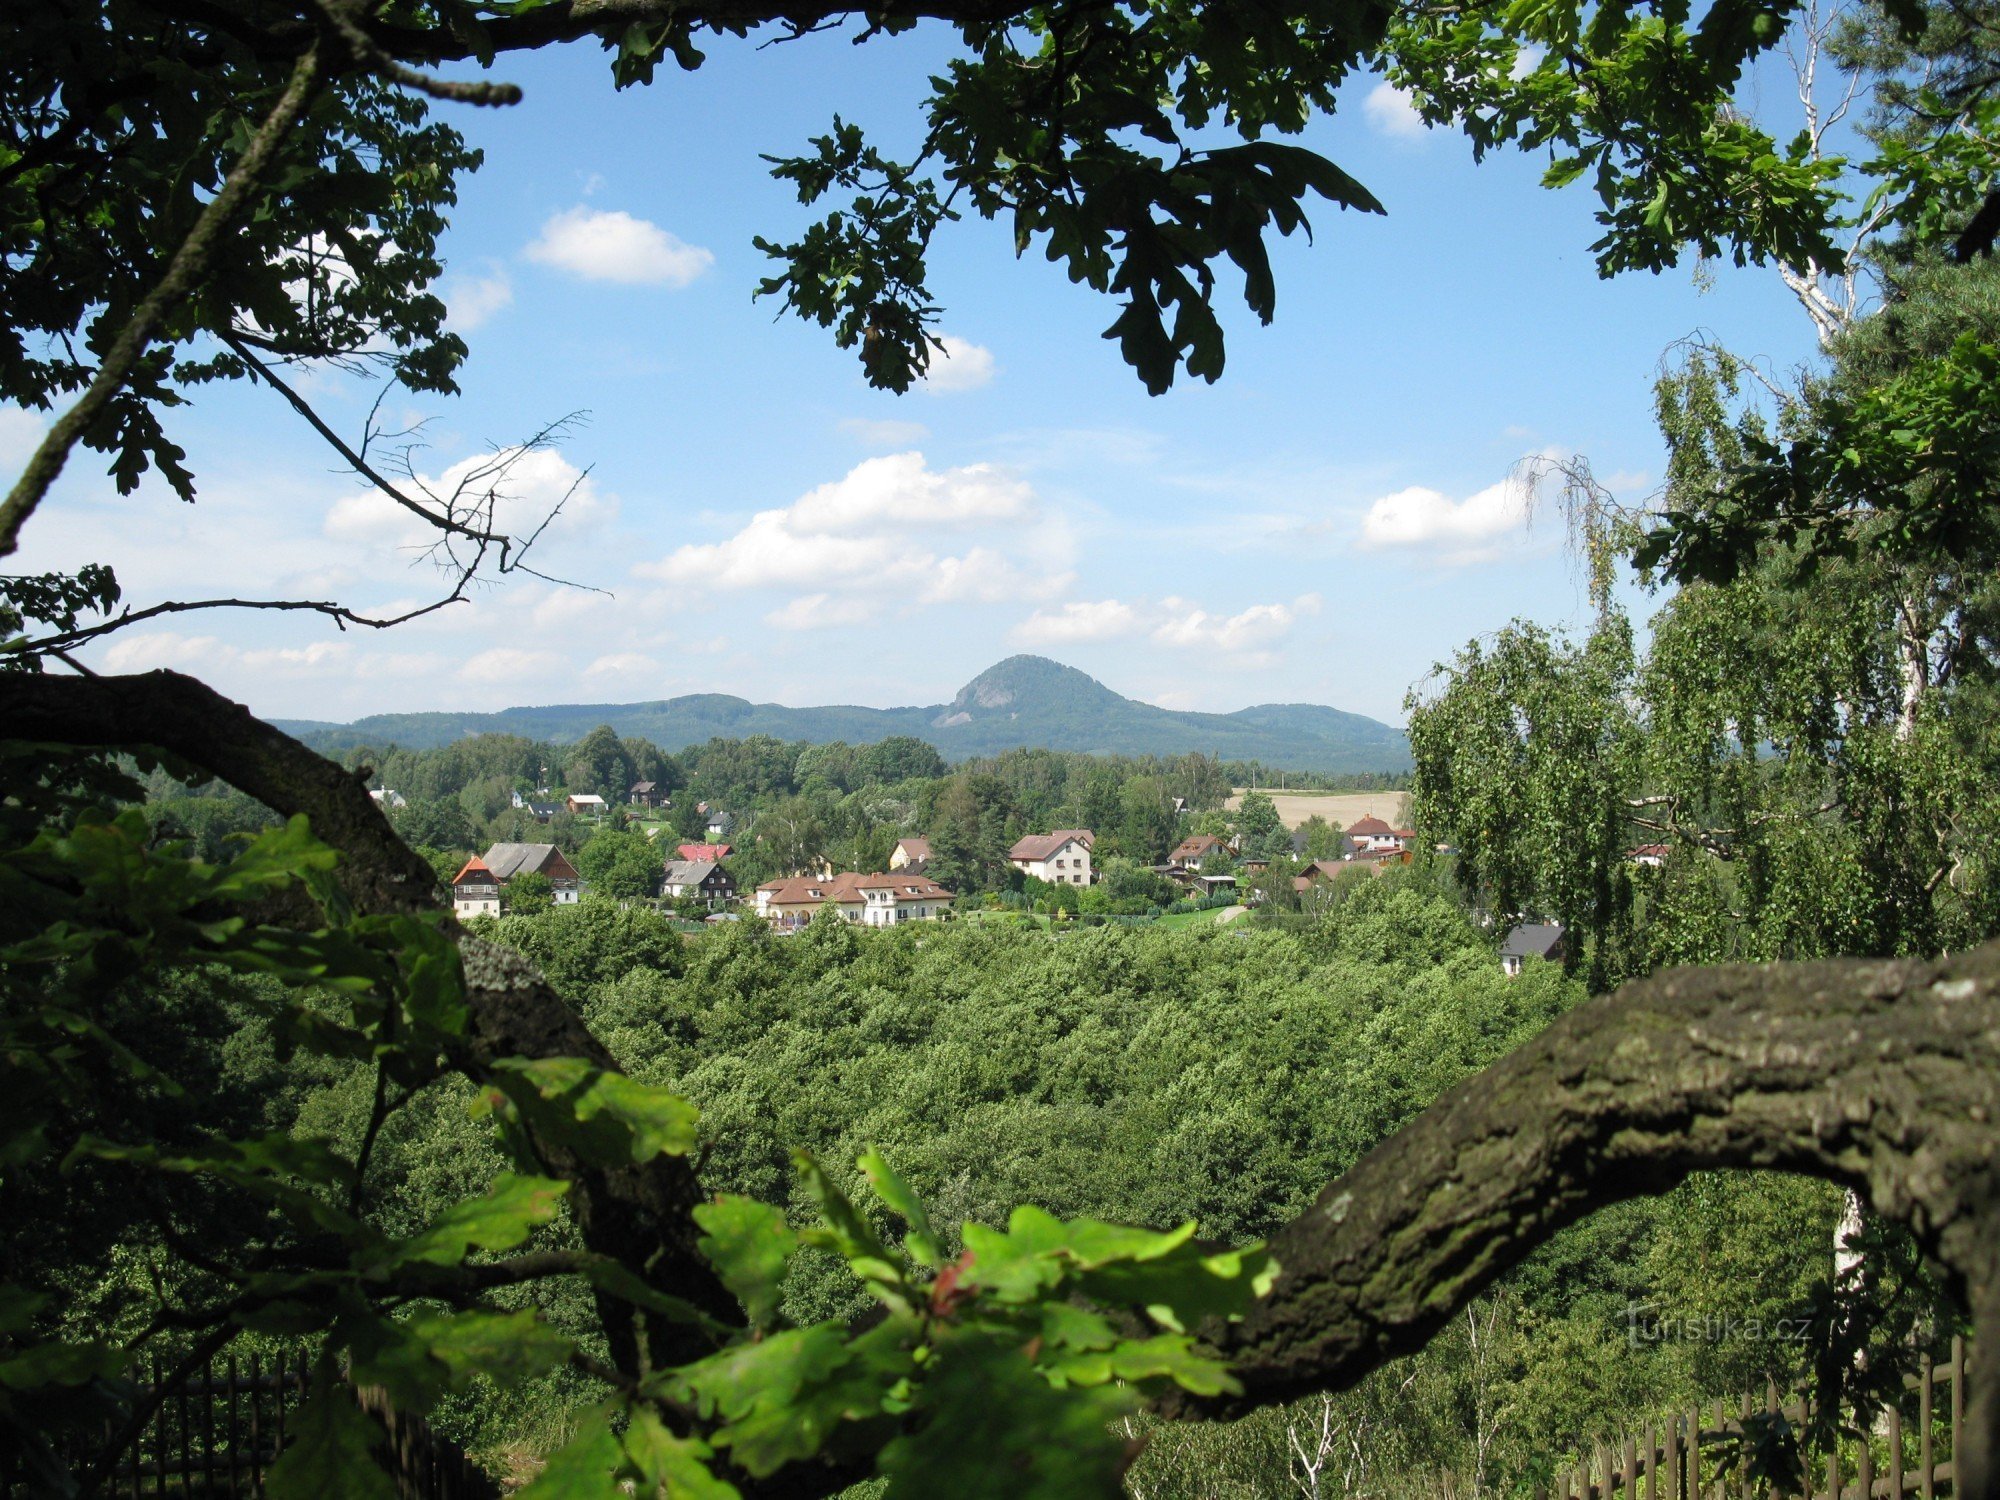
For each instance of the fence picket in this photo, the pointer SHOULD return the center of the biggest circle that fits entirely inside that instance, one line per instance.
(1926, 1435)
(1895, 1451)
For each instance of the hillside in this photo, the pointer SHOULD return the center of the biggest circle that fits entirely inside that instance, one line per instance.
(1022, 701)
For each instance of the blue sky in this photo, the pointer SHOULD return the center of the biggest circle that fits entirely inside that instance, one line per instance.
(1322, 525)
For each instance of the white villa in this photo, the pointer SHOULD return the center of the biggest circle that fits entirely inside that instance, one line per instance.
(1060, 858)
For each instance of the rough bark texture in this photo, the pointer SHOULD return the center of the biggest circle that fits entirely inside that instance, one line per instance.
(1881, 1076)
(637, 1215)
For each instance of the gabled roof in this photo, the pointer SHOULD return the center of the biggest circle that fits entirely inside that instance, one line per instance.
(1041, 845)
(508, 860)
(543, 809)
(916, 848)
(1532, 940)
(1197, 845)
(475, 867)
(691, 871)
(709, 852)
(1370, 827)
(848, 888)
(640, 788)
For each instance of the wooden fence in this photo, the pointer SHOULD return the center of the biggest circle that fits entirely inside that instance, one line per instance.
(1682, 1457)
(217, 1432)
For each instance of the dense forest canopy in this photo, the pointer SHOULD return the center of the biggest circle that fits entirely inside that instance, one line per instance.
(277, 1093)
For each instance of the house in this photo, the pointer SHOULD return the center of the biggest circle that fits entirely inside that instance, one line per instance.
(1060, 858)
(703, 878)
(541, 812)
(1650, 855)
(587, 804)
(695, 853)
(1372, 834)
(873, 900)
(719, 823)
(1531, 940)
(1192, 850)
(1318, 872)
(643, 794)
(475, 891)
(910, 852)
(508, 860)
(387, 800)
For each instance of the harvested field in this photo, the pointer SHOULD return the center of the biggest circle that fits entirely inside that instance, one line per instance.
(1339, 808)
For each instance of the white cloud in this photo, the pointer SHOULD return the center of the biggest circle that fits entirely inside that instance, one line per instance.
(20, 434)
(1168, 622)
(880, 529)
(205, 653)
(885, 434)
(1627, 481)
(1464, 530)
(610, 245)
(1252, 630)
(502, 664)
(1094, 620)
(471, 301)
(822, 612)
(161, 648)
(959, 366)
(1392, 113)
(622, 664)
(523, 493)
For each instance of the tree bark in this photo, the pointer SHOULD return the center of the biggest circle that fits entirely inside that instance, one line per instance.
(1881, 1076)
(637, 1215)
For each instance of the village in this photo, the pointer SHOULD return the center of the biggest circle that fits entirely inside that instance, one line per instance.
(1203, 866)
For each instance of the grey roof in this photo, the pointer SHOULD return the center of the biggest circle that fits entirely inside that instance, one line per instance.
(642, 786)
(689, 871)
(1531, 940)
(543, 809)
(508, 860)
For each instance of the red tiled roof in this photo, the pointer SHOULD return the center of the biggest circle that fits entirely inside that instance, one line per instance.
(704, 852)
(472, 865)
(1370, 828)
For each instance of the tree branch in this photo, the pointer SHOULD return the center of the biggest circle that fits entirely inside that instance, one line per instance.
(1880, 1076)
(638, 1215)
(184, 272)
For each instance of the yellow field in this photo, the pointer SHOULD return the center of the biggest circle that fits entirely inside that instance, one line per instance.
(1341, 809)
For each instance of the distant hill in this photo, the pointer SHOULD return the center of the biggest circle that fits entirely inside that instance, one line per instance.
(1022, 701)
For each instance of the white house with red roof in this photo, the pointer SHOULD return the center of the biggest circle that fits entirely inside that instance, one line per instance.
(475, 890)
(1060, 858)
(1372, 835)
(872, 900)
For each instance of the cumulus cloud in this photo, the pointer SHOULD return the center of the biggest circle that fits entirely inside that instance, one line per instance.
(1081, 620)
(1253, 629)
(959, 366)
(1391, 112)
(822, 612)
(1169, 622)
(525, 486)
(501, 664)
(20, 432)
(622, 664)
(611, 245)
(166, 648)
(471, 301)
(886, 529)
(887, 433)
(1462, 530)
